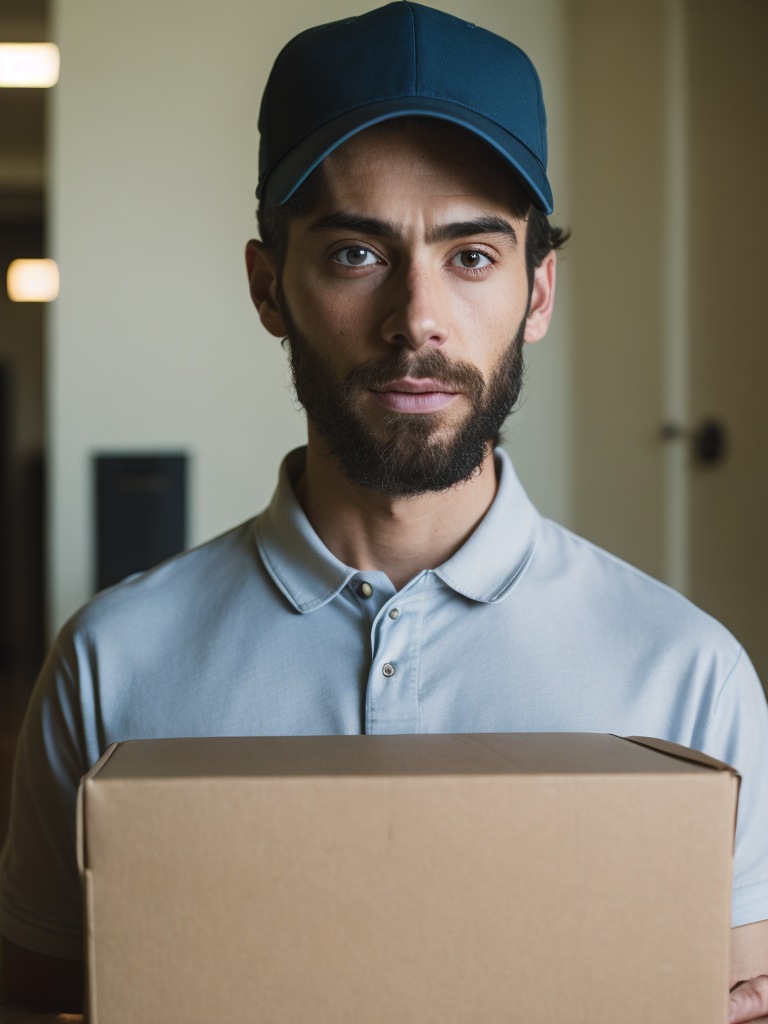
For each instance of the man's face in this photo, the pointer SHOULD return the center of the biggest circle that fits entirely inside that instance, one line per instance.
(404, 295)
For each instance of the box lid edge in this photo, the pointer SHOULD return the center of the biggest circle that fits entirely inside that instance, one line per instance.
(80, 804)
(681, 752)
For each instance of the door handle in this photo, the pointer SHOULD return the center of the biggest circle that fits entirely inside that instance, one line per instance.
(708, 441)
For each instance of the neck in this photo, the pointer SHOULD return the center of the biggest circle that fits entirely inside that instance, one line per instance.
(397, 536)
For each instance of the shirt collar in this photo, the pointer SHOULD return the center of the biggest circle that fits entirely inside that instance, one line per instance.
(294, 556)
(484, 569)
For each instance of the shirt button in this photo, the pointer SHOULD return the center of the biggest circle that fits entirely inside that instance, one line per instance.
(394, 614)
(388, 670)
(366, 590)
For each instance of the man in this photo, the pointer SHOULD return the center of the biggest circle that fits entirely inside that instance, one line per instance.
(400, 580)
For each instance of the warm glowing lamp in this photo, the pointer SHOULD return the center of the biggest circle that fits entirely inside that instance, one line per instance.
(29, 65)
(33, 281)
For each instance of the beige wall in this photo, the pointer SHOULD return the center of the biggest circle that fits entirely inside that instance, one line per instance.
(618, 273)
(153, 341)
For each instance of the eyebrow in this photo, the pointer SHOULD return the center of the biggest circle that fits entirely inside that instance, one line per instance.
(442, 233)
(481, 226)
(351, 221)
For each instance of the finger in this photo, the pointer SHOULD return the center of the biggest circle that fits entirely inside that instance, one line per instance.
(749, 1000)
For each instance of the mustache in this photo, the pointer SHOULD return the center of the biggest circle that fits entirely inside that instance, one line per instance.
(400, 363)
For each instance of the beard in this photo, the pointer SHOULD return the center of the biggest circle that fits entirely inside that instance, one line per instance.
(415, 452)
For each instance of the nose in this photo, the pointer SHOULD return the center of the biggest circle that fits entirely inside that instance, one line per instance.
(418, 315)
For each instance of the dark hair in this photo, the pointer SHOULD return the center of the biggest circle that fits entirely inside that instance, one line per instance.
(541, 236)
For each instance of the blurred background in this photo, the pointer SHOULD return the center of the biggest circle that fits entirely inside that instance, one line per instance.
(142, 407)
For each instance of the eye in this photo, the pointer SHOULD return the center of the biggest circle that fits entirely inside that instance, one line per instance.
(471, 259)
(355, 256)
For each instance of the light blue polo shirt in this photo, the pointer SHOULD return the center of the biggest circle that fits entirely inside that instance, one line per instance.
(527, 628)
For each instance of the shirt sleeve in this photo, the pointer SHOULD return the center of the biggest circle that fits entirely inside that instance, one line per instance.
(738, 735)
(40, 905)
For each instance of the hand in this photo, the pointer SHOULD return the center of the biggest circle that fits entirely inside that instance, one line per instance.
(749, 1001)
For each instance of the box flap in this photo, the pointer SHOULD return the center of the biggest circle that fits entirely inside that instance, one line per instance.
(685, 753)
(435, 754)
(81, 800)
(694, 757)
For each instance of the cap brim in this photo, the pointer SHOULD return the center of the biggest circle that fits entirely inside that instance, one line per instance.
(282, 180)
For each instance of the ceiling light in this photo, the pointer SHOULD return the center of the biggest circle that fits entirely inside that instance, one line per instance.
(33, 281)
(29, 65)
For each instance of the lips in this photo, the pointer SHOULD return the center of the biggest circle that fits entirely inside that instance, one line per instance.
(416, 386)
(411, 394)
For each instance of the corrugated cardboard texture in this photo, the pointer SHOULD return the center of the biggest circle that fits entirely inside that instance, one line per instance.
(426, 879)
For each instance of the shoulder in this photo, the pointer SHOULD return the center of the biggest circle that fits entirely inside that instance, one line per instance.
(624, 598)
(182, 590)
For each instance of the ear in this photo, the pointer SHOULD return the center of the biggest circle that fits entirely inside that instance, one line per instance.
(542, 299)
(262, 277)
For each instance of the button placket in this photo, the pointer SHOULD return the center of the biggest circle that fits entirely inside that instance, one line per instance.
(373, 592)
(396, 637)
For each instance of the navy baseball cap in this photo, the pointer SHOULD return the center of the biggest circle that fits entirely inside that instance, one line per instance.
(332, 81)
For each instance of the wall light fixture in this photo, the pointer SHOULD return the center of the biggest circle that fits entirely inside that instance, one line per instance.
(33, 281)
(29, 65)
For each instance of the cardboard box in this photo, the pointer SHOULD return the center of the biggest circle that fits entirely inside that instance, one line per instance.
(540, 878)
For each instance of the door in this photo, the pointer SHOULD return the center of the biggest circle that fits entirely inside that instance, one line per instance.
(669, 145)
(728, 321)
